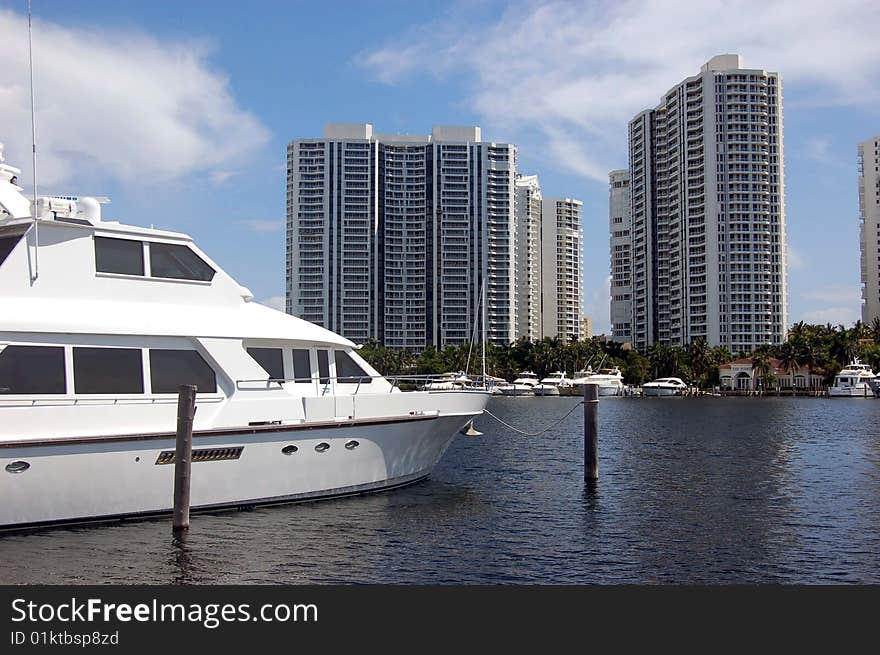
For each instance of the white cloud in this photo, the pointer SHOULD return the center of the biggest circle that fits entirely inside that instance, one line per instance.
(795, 259)
(834, 315)
(121, 104)
(835, 293)
(275, 302)
(567, 76)
(263, 226)
(841, 304)
(220, 177)
(818, 149)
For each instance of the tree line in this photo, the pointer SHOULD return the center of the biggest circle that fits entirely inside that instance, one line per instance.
(824, 348)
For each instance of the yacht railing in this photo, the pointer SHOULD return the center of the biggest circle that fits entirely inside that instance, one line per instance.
(324, 387)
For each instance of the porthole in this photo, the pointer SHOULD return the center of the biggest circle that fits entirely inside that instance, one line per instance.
(321, 447)
(17, 467)
(289, 450)
(351, 445)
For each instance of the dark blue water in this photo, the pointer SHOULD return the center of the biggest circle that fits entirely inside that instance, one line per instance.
(702, 490)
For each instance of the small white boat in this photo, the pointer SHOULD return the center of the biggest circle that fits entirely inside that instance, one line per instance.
(549, 386)
(854, 381)
(664, 387)
(450, 382)
(524, 385)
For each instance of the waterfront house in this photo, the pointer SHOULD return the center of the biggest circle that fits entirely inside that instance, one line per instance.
(742, 375)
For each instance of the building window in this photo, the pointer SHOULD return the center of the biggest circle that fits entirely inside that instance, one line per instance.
(271, 359)
(32, 370)
(121, 256)
(171, 368)
(108, 370)
(178, 262)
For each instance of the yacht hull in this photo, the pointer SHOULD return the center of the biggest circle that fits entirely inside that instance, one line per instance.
(858, 391)
(546, 390)
(79, 479)
(518, 391)
(607, 390)
(660, 391)
(604, 389)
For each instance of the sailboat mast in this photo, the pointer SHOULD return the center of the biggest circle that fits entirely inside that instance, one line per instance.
(485, 383)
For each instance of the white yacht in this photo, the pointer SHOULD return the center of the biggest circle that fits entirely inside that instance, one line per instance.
(102, 322)
(524, 385)
(665, 387)
(610, 381)
(449, 382)
(854, 381)
(495, 384)
(549, 386)
(574, 385)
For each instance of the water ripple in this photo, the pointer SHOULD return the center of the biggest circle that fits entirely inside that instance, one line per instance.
(698, 491)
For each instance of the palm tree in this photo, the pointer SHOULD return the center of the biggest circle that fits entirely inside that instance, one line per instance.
(798, 332)
(658, 356)
(762, 366)
(699, 356)
(430, 361)
(454, 358)
(806, 353)
(788, 359)
(844, 345)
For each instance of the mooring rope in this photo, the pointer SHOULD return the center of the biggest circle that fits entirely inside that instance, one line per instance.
(533, 434)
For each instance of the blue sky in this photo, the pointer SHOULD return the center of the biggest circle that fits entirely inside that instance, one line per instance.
(180, 112)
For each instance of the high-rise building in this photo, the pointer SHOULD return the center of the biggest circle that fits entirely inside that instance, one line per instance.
(528, 256)
(561, 268)
(869, 205)
(404, 251)
(708, 211)
(620, 226)
(393, 236)
(332, 240)
(586, 327)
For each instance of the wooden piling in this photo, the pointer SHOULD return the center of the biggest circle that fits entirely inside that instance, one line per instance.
(186, 409)
(591, 432)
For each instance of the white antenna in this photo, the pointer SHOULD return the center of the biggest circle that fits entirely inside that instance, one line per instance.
(33, 148)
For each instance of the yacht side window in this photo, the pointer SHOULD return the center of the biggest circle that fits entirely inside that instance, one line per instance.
(122, 256)
(271, 359)
(107, 370)
(32, 370)
(348, 371)
(171, 368)
(324, 366)
(302, 366)
(178, 262)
